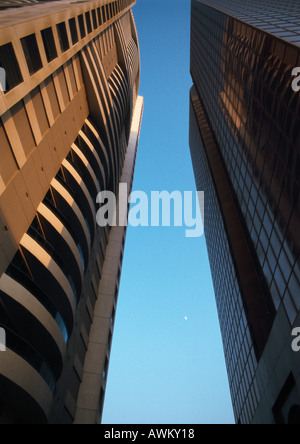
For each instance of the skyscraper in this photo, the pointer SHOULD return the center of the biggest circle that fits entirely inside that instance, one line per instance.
(245, 146)
(69, 129)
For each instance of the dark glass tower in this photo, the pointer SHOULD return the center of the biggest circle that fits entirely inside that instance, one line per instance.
(245, 146)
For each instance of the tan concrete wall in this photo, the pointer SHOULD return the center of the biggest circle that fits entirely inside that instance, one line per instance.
(40, 120)
(98, 348)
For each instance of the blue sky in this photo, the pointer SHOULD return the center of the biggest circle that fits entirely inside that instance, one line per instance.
(165, 369)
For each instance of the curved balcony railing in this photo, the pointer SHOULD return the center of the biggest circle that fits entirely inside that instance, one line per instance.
(56, 211)
(51, 251)
(22, 278)
(22, 348)
(62, 181)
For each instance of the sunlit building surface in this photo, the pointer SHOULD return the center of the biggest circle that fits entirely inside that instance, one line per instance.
(69, 128)
(245, 146)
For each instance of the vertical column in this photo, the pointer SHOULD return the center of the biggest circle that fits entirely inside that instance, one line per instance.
(92, 389)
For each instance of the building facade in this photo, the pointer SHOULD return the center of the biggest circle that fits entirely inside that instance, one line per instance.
(69, 127)
(245, 146)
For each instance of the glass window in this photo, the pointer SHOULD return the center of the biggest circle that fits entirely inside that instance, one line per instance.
(94, 16)
(63, 36)
(290, 308)
(99, 16)
(81, 26)
(49, 44)
(8, 61)
(73, 31)
(294, 288)
(32, 53)
(88, 22)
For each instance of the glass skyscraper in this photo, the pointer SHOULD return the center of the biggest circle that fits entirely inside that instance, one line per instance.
(245, 146)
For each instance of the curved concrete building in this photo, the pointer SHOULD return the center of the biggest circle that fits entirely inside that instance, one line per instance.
(69, 126)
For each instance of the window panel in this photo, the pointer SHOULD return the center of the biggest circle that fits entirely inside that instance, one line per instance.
(63, 36)
(32, 54)
(8, 61)
(73, 31)
(49, 44)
